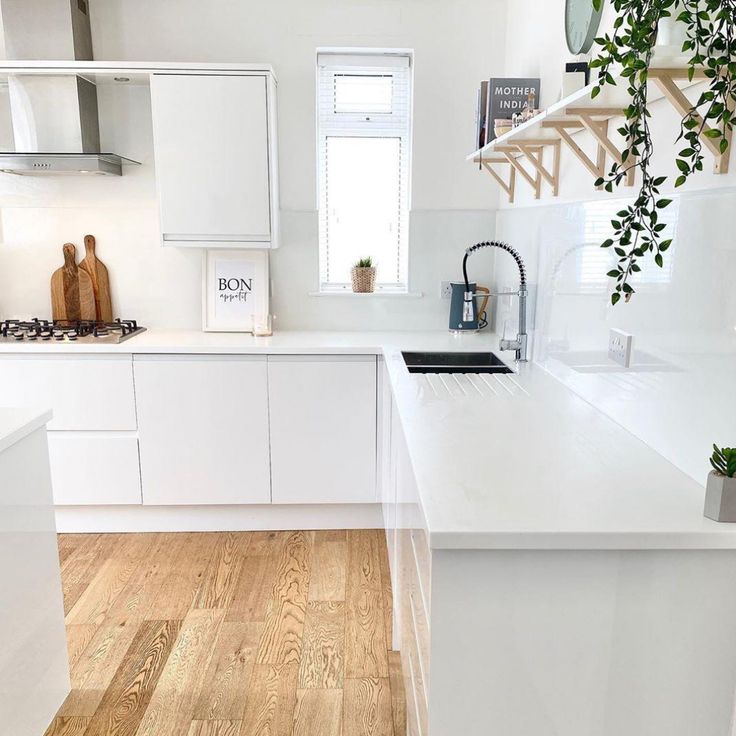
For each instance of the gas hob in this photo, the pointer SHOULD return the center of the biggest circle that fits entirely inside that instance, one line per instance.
(82, 331)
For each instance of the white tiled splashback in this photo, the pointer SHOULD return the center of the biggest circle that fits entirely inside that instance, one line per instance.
(679, 396)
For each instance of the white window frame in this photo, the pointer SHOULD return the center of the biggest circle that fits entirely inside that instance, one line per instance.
(397, 124)
(591, 263)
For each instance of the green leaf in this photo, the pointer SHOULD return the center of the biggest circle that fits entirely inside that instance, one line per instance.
(615, 298)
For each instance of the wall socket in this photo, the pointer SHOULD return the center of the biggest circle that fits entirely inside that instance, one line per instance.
(620, 347)
(445, 290)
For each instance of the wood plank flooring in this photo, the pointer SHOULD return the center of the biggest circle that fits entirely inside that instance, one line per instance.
(229, 634)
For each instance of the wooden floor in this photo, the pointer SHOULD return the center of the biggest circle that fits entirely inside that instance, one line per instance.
(229, 634)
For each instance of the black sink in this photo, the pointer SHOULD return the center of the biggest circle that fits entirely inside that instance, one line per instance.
(454, 363)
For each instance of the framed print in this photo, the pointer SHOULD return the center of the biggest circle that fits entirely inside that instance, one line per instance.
(235, 288)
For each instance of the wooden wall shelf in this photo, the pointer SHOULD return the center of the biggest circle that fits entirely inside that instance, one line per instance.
(521, 153)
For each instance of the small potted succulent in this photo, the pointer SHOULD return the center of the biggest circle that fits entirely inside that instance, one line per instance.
(363, 275)
(720, 494)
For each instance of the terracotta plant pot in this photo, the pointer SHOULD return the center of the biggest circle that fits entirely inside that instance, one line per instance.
(364, 280)
(720, 498)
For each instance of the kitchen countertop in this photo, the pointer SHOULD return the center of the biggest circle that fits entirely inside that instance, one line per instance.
(284, 343)
(15, 424)
(501, 462)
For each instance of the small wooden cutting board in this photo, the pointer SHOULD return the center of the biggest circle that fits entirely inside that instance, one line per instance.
(97, 271)
(72, 295)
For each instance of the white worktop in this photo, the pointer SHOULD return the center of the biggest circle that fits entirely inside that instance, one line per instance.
(303, 343)
(507, 462)
(15, 424)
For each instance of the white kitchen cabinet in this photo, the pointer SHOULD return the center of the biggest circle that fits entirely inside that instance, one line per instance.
(203, 429)
(34, 667)
(94, 468)
(410, 578)
(323, 428)
(85, 392)
(387, 464)
(215, 153)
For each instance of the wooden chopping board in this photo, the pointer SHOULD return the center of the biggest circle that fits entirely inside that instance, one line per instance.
(72, 295)
(97, 271)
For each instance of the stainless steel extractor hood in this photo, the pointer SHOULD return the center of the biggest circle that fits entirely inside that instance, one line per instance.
(54, 119)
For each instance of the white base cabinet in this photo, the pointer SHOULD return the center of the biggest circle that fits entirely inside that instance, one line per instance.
(34, 667)
(575, 642)
(203, 429)
(323, 428)
(93, 447)
(198, 430)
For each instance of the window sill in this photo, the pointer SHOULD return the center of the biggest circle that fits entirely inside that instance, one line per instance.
(374, 294)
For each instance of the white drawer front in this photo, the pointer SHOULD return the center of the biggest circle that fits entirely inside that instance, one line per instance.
(419, 687)
(413, 615)
(86, 392)
(416, 712)
(423, 561)
(94, 469)
(420, 622)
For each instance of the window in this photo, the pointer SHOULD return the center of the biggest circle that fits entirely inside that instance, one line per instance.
(364, 131)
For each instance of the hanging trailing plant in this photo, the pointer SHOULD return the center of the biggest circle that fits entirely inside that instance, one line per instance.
(711, 44)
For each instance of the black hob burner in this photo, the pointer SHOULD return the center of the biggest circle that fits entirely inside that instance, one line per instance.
(44, 330)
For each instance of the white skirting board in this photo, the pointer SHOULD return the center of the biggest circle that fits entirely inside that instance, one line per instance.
(70, 519)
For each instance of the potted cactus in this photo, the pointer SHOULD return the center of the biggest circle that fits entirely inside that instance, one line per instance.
(720, 494)
(363, 276)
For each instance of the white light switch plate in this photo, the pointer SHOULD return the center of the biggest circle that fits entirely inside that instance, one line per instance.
(620, 347)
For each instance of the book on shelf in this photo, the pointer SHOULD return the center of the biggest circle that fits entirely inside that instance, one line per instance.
(506, 97)
(481, 109)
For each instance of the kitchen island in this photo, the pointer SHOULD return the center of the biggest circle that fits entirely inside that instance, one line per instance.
(552, 574)
(34, 670)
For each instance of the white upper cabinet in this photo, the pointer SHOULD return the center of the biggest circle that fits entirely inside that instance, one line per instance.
(323, 428)
(215, 151)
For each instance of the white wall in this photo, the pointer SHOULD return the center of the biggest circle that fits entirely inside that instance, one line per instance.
(678, 397)
(455, 45)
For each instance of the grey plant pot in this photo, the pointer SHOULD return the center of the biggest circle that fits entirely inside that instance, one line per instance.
(720, 498)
